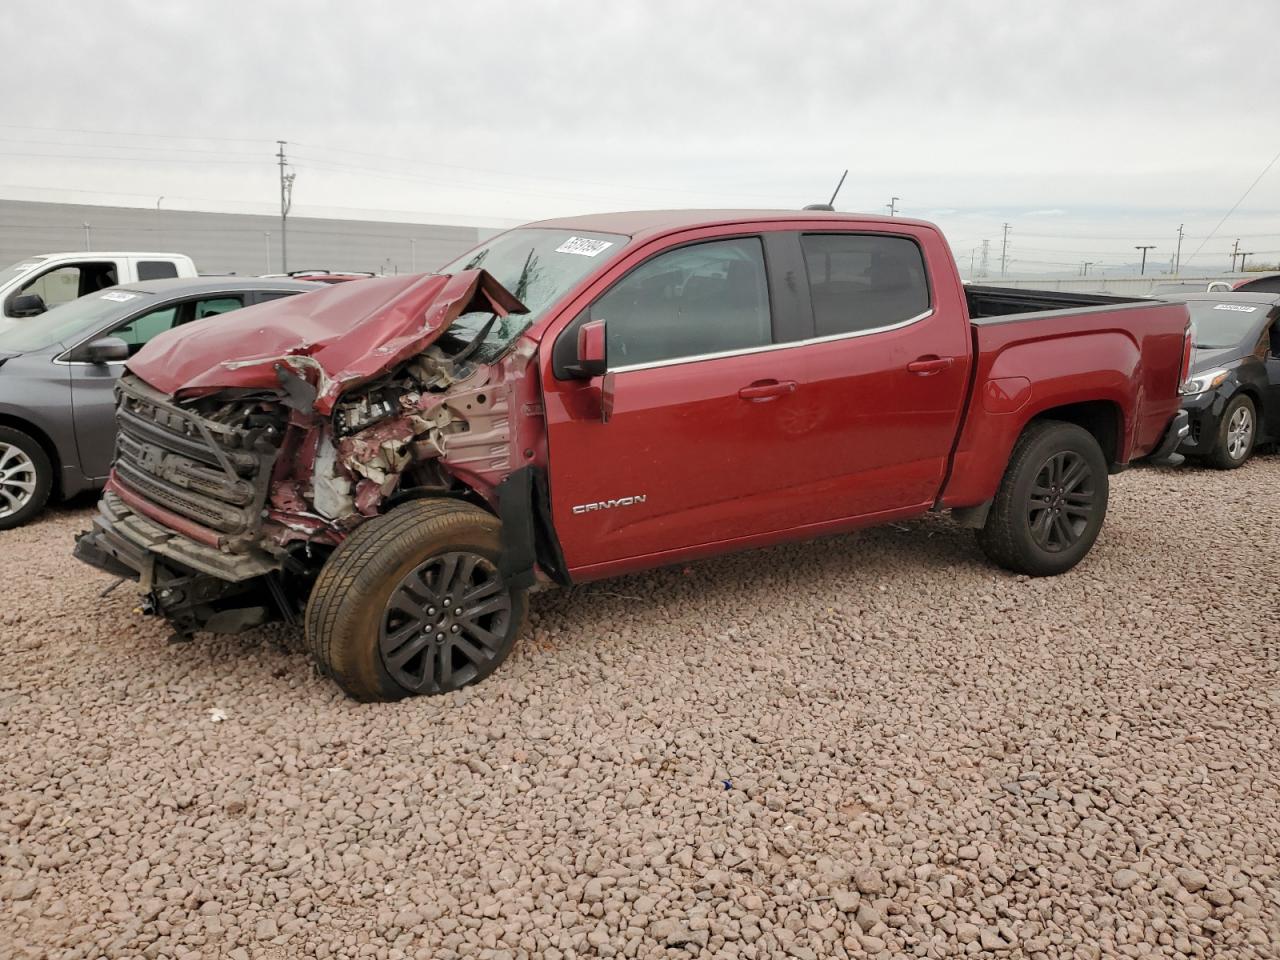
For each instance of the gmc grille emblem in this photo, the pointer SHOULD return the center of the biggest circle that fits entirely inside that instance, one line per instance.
(610, 504)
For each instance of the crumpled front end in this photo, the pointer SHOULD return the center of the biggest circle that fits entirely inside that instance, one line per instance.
(225, 498)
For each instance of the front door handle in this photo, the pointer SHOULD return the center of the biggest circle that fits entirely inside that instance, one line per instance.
(767, 390)
(927, 366)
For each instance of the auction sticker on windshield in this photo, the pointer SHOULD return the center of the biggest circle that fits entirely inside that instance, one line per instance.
(119, 295)
(584, 246)
(1237, 307)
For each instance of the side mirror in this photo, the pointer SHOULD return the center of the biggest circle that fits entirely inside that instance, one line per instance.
(26, 305)
(103, 350)
(592, 359)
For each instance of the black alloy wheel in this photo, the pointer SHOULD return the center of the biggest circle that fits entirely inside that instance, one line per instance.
(1051, 502)
(1062, 501)
(445, 624)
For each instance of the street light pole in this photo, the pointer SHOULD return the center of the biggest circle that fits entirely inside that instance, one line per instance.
(1177, 256)
(159, 233)
(266, 241)
(413, 255)
(892, 204)
(87, 245)
(1244, 254)
(1144, 249)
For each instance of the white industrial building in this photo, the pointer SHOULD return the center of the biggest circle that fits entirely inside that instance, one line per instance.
(232, 242)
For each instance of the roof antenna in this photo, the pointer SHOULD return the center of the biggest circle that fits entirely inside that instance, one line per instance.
(830, 204)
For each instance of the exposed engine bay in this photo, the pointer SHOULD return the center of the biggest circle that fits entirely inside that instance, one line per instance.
(241, 492)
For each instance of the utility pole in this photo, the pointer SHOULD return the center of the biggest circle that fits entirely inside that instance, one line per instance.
(1244, 254)
(88, 247)
(286, 201)
(1177, 256)
(1235, 252)
(413, 254)
(986, 250)
(1144, 249)
(893, 205)
(973, 255)
(266, 243)
(1004, 251)
(159, 233)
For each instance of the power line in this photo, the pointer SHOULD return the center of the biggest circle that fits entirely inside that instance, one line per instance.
(130, 146)
(134, 133)
(1256, 181)
(100, 159)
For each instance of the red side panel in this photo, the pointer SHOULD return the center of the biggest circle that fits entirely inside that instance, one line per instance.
(1129, 357)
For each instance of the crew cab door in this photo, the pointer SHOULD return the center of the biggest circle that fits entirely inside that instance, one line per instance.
(697, 392)
(885, 371)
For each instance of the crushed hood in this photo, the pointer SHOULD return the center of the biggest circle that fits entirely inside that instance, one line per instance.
(332, 338)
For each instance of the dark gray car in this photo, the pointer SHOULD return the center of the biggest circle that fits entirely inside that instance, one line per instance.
(57, 371)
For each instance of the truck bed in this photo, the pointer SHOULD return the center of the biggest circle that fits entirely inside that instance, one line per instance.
(1112, 366)
(998, 302)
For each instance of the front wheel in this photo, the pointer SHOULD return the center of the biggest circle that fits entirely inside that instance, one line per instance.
(1237, 430)
(1051, 502)
(413, 602)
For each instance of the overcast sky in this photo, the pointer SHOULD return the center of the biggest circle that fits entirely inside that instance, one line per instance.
(1088, 126)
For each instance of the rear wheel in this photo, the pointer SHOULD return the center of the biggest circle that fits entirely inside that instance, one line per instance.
(1051, 502)
(413, 603)
(26, 478)
(1237, 431)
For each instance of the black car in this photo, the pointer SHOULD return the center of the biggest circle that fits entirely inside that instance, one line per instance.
(1233, 391)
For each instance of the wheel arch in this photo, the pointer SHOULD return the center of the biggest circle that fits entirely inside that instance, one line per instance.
(1103, 419)
(1251, 391)
(46, 444)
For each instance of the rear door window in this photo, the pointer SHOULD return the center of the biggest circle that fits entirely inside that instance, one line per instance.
(156, 269)
(701, 299)
(212, 306)
(860, 282)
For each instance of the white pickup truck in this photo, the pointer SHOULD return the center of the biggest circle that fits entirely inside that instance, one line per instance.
(47, 280)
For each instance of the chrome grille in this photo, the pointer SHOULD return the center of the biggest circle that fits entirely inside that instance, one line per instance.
(171, 457)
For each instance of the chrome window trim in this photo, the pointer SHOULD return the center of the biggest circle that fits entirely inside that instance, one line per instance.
(770, 347)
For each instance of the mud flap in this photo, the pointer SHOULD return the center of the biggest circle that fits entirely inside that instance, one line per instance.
(528, 538)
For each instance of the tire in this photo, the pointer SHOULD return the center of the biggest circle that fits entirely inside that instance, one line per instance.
(26, 478)
(377, 620)
(1055, 466)
(1240, 415)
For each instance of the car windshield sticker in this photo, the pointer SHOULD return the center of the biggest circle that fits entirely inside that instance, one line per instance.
(1238, 307)
(584, 246)
(119, 295)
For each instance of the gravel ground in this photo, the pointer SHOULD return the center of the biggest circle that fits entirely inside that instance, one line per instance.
(875, 745)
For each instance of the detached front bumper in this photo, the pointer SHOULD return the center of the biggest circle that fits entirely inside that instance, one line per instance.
(1166, 454)
(124, 543)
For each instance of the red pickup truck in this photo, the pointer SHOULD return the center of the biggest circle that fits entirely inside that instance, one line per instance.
(397, 461)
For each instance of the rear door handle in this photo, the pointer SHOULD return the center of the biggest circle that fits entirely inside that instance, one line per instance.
(767, 390)
(927, 366)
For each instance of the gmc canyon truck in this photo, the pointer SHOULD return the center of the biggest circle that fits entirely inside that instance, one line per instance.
(396, 462)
